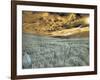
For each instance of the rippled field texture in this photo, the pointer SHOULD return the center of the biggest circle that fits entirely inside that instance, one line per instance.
(52, 40)
(45, 52)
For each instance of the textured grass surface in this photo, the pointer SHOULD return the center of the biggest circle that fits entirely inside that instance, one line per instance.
(46, 52)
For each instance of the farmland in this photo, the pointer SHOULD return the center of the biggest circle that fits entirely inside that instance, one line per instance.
(47, 52)
(53, 39)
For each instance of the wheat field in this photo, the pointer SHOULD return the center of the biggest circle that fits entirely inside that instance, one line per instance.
(48, 52)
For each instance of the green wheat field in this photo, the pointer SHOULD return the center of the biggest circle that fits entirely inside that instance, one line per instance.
(48, 52)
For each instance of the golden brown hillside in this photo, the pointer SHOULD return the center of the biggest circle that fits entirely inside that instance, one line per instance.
(56, 24)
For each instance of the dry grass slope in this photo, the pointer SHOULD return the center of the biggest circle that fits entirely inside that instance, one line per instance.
(52, 24)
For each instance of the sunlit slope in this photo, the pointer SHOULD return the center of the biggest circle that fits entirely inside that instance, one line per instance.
(74, 32)
(50, 24)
